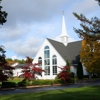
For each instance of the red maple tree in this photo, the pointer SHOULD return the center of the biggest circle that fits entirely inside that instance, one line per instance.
(5, 69)
(30, 70)
(65, 73)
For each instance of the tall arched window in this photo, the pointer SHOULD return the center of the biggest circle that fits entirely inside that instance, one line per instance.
(47, 60)
(54, 64)
(40, 61)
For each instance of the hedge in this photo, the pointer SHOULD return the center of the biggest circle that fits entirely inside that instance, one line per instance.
(35, 82)
(23, 83)
(7, 84)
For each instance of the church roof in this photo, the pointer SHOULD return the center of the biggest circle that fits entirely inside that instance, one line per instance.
(70, 52)
(19, 66)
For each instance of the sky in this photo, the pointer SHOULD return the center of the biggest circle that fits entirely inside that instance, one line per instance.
(30, 22)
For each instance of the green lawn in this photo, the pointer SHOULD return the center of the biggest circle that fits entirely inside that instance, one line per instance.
(84, 93)
(15, 79)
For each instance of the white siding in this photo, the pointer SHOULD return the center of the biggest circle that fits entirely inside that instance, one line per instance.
(60, 61)
(84, 71)
(73, 69)
(17, 72)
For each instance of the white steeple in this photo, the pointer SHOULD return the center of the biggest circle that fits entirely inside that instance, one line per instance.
(64, 36)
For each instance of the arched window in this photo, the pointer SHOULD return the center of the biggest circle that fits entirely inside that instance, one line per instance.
(46, 47)
(54, 64)
(40, 61)
(47, 60)
(46, 52)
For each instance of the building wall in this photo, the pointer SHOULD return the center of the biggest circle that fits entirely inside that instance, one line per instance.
(60, 61)
(17, 72)
(73, 69)
(84, 71)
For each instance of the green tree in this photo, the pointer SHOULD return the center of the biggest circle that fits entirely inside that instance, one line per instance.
(22, 61)
(67, 63)
(98, 1)
(90, 29)
(9, 59)
(5, 69)
(90, 33)
(79, 71)
(3, 15)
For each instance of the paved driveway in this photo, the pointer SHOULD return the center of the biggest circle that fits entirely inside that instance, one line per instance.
(39, 89)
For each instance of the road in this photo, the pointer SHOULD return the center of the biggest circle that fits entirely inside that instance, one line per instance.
(48, 88)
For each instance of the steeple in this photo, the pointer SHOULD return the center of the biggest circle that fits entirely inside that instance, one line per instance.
(64, 36)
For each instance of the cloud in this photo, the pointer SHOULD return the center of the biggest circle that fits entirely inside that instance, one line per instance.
(31, 11)
(14, 33)
(86, 7)
(26, 41)
(28, 47)
(17, 57)
(29, 22)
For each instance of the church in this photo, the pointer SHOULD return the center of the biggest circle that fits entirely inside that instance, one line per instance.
(53, 54)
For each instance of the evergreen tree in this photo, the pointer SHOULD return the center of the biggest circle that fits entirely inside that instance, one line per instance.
(90, 33)
(98, 1)
(80, 71)
(90, 28)
(67, 63)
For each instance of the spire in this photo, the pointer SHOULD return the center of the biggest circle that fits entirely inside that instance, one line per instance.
(64, 36)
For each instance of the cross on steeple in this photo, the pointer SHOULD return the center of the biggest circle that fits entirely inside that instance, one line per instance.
(63, 12)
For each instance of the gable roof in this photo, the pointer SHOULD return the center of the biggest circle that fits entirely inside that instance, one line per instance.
(19, 66)
(74, 49)
(70, 52)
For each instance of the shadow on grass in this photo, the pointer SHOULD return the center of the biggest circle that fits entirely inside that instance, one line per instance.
(84, 93)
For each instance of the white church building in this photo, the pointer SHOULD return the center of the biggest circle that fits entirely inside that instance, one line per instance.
(53, 53)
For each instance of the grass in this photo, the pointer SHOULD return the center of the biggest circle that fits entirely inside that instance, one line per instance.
(83, 93)
(15, 79)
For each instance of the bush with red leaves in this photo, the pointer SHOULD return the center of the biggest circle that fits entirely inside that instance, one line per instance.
(30, 70)
(64, 74)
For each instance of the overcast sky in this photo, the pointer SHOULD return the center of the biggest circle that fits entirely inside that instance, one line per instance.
(30, 22)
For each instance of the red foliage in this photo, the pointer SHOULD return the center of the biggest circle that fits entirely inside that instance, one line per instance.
(30, 70)
(64, 68)
(5, 69)
(65, 73)
(3, 77)
(29, 60)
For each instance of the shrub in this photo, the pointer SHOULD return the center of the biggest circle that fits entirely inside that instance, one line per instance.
(72, 80)
(8, 84)
(37, 82)
(58, 81)
(48, 82)
(42, 82)
(23, 83)
(86, 76)
(30, 70)
(72, 74)
(64, 75)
